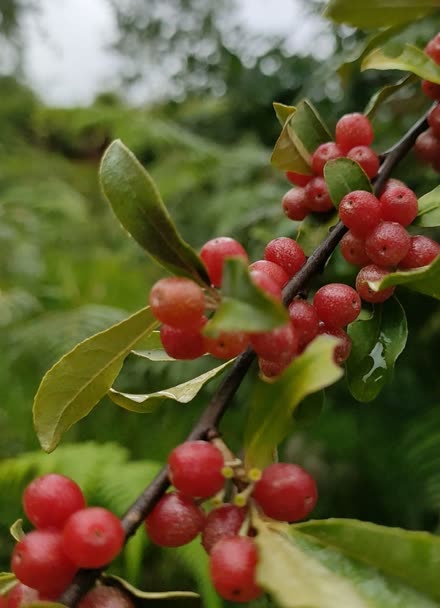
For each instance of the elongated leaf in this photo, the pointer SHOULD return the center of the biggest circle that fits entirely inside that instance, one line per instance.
(347, 563)
(424, 280)
(137, 204)
(272, 404)
(283, 112)
(151, 348)
(343, 176)
(409, 59)
(7, 582)
(385, 92)
(74, 385)
(183, 393)
(16, 530)
(244, 307)
(314, 229)
(377, 343)
(377, 13)
(286, 155)
(149, 595)
(429, 210)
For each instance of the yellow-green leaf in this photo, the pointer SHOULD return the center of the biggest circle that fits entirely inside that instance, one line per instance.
(428, 215)
(378, 13)
(7, 582)
(16, 530)
(385, 92)
(283, 112)
(150, 595)
(408, 58)
(425, 280)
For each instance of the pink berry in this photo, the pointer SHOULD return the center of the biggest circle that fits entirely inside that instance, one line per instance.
(399, 204)
(317, 195)
(298, 179)
(353, 130)
(178, 302)
(353, 249)
(266, 283)
(427, 146)
(20, 595)
(372, 273)
(273, 270)
(343, 349)
(433, 48)
(222, 522)
(279, 345)
(431, 89)
(271, 369)
(305, 321)
(286, 253)
(422, 251)
(294, 204)
(106, 597)
(366, 158)
(324, 153)
(337, 304)
(227, 345)
(182, 343)
(360, 211)
(387, 244)
(434, 121)
(215, 252)
(175, 521)
(195, 469)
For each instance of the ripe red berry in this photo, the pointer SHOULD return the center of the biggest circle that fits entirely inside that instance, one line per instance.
(93, 537)
(48, 501)
(399, 204)
(422, 251)
(298, 179)
(227, 345)
(178, 302)
(216, 251)
(360, 211)
(337, 304)
(106, 597)
(431, 89)
(305, 321)
(317, 195)
(392, 182)
(286, 492)
(372, 273)
(343, 349)
(353, 249)
(222, 522)
(434, 121)
(39, 561)
(182, 343)
(432, 49)
(294, 204)
(279, 345)
(175, 521)
(387, 244)
(271, 369)
(366, 158)
(286, 253)
(323, 154)
(273, 270)
(19, 595)
(195, 469)
(427, 146)
(232, 565)
(353, 130)
(266, 284)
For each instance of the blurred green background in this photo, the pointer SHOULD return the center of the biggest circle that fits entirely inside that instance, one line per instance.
(68, 270)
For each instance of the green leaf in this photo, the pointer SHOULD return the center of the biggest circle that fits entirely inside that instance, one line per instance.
(244, 306)
(429, 210)
(343, 176)
(74, 385)
(314, 229)
(334, 563)
(424, 280)
(385, 92)
(377, 343)
(151, 348)
(409, 59)
(16, 530)
(183, 393)
(377, 13)
(137, 204)
(273, 404)
(149, 595)
(283, 112)
(7, 582)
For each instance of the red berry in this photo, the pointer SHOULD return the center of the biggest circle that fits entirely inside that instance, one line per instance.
(431, 89)
(93, 537)
(175, 521)
(298, 179)
(317, 195)
(286, 492)
(286, 253)
(372, 273)
(434, 121)
(39, 561)
(19, 596)
(399, 204)
(48, 501)
(222, 522)
(392, 182)
(422, 251)
(271, 369)
(432, 49)
(227, 345)
(343, 349)
(215, 252)
(353, 130)
(337, 304)
(182, 343)
(232, 565)
(305, 321)
(366, 158)
(323, 154)
(178, 302)
(360, 211)
(279, 345)
(266, 284)
(273, 270)
(427, 146)
(195, 469)
(353, 249)
(294, 204)
(387, 244)
(106, 597)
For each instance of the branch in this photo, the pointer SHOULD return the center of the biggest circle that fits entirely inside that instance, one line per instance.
(221, 400)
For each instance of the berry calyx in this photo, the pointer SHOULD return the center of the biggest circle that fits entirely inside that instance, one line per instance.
(360, 211)
(294, 204)
(272, 269)
(222, 522)
(183, 343)
(337, 304)
(387, 244)
(317, 195)
(92, 537)
(324, 153)
(106, 597)
(286, 253)
(175, 521)
(298, 179)
(178, 302)
(372, 273)
(422, 251)
(353, 249)
(286, 492)
(216, 251)
(343, 349)
(366, 158)
(227, 345)
(353, 130)
(279, 345)
(399, 204)
(305, 321)
(195, 469)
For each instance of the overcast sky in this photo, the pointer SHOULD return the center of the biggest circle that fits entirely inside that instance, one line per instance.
(68, 61)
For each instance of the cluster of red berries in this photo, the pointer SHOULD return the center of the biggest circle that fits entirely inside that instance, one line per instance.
(68, 536)
(354, 135)
(432, 49)
(197, 470)
(427, 145)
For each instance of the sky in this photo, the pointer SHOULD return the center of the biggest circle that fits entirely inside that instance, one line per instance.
(68, 58)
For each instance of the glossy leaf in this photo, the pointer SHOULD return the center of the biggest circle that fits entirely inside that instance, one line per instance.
(408, 58)
(244, 306)
(16, 530)
(149, 595)
(314, 229)
(425, 280)
(429, 210)
(137, 204)
(377, 13)
(74, 385)
(183, 393)
(385, 92)
(151, 348)
(343, 176)
(377, 343)
(283, 112)
(273, 404)
(7, 582)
